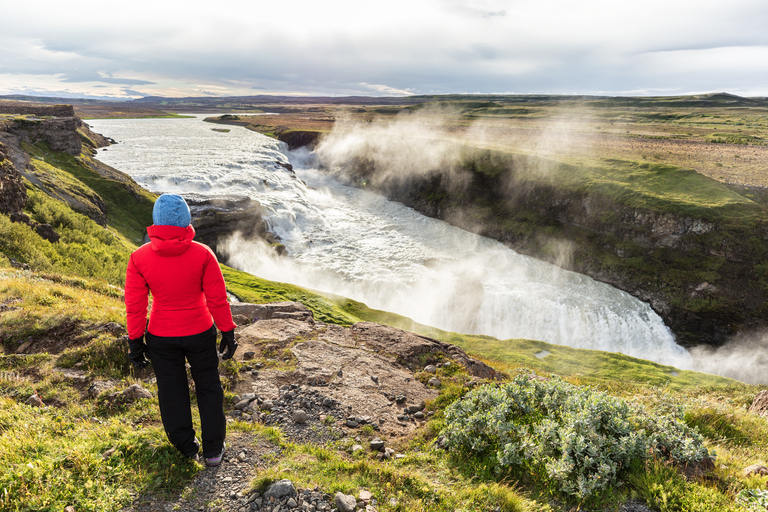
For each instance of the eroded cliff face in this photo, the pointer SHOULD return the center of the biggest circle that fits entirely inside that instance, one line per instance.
(13, 194)
(702, 276)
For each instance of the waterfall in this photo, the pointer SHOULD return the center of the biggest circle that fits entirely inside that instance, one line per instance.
(357, 244)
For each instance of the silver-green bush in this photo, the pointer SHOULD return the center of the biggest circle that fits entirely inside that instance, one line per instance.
(578, 440)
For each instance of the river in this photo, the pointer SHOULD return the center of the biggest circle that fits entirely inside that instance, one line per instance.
(357, 244)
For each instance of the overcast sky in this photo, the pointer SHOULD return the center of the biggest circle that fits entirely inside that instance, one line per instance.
(393, 47)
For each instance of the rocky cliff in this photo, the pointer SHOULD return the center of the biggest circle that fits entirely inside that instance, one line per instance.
(13, 194)
(702, 274)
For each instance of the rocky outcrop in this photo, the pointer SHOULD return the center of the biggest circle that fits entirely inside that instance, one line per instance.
(215, 219)
(60, 133)
(13, 193)
(760, 404)
(24, 108)
(365, 373)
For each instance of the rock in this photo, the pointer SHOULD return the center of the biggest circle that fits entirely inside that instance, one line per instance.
(23, 347)
(136, 391)
(291, 503)
(285, 310)
(279, 489)
(352, 424)
(242, 404)
(267, 405)
(99, 387)
(357, 447)
(760, 404)
(107, 454)
(345, 502)
(69, 508)
(375, 378)
(418, 415)
(46, 231)
(388, 453)
(430, 368)
(14, 195)
(756, 469)
(299, 416)
(242, 457)
(365, 495)
(434, 382)
(377, 444)
(249, 355)
(415, 408)
(34, 401)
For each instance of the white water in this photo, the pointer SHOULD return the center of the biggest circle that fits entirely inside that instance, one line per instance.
(357, 244)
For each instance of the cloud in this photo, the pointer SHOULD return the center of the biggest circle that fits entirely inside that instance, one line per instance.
(404, 47)
(98, 77)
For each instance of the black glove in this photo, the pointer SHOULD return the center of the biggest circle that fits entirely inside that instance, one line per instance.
(138, 352)
(227, 342)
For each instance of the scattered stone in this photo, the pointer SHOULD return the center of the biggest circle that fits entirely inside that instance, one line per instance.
(267, 405)
(375, 378)
(136, 391)
(69, 508)
(345, 502)
(418, 415)
(415, 408)
(249, 355)
(434, 382)
(430, 368)
(760, 404)
(400, 399)
(99, 387)
(291, 503)
(242, 457)
(107, 454)
(299, 416)
(279, 489)
(34, 401)
(23, 347)
(356, 448)
(365, 495)
(377, 444)
(242, 404)
(756, 469)
(352, 424)
(441, 443)
(388, 453)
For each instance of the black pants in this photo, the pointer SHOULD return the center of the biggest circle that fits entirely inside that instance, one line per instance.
(168, 355)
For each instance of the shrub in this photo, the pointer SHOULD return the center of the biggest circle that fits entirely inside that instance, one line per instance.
(579, 441)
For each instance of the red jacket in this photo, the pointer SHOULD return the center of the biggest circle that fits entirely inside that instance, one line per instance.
(188, 291)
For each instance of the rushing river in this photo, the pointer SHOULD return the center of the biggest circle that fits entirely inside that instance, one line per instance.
(357, 244)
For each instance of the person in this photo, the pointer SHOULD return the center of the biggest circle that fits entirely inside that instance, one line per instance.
(188, 297)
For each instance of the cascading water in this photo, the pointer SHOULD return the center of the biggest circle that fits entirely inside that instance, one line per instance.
(357, 244)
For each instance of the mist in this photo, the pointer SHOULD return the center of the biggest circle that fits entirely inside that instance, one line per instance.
(744, 358)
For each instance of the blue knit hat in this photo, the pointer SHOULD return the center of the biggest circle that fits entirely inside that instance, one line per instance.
(171, 210)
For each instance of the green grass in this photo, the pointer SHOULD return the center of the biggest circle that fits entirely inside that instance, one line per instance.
(129, 207)
(85, 248)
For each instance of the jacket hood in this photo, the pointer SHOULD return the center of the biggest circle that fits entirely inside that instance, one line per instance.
(170, 240)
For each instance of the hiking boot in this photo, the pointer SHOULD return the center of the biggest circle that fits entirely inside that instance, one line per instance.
(216, 460)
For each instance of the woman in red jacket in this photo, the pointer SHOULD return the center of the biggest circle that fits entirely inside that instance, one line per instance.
(188, 297)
